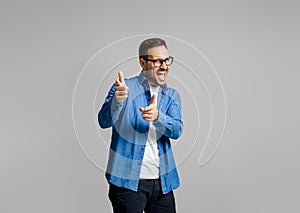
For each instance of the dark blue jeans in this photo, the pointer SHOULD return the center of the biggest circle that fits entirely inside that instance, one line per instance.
(149, 198)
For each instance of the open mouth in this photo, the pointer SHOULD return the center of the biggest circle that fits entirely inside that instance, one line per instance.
(161, 75)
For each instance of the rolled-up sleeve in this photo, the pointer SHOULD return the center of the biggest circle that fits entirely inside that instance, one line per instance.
(170, 123)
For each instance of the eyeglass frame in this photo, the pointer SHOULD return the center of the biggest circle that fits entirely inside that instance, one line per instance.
(160, 60)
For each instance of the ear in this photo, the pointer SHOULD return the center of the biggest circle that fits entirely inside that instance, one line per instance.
(142, 63)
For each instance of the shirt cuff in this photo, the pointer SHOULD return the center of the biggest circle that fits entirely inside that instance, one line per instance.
(161, 123)
(116, 109)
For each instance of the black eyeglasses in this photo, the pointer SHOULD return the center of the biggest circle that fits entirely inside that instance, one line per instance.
(158, 62)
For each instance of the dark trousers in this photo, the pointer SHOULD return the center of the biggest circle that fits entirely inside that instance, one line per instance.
(149, 198)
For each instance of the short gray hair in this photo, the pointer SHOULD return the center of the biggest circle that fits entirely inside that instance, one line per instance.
(150, 43)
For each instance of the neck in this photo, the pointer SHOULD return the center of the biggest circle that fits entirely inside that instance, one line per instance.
(154, 86)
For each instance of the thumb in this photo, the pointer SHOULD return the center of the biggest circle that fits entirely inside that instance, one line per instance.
(121, 76)
(152, 99)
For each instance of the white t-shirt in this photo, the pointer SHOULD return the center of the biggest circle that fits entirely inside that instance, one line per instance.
(150, 164)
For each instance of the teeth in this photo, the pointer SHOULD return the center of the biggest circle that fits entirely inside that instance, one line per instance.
(161, 72)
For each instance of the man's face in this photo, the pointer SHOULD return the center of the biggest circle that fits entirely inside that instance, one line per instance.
(157, 76)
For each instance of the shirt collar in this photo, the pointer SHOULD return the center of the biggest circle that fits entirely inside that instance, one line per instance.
(142, 78)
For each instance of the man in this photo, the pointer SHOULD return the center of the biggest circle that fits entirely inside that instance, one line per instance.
(144, 114)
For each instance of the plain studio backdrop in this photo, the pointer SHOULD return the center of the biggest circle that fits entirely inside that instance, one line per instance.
(252, 45)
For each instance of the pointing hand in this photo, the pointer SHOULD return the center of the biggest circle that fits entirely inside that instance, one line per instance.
(121, 90)
(150, 113)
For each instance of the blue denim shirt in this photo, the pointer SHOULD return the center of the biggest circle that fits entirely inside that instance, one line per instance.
(130, 131)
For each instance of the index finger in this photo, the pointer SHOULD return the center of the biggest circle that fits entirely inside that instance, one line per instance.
(149, 108)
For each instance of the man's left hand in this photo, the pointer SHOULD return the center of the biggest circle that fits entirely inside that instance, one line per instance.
(150, 113)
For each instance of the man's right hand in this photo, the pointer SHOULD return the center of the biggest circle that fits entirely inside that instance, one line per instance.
(121, 90)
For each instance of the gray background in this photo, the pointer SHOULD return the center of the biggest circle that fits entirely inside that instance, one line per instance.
(254, 46)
